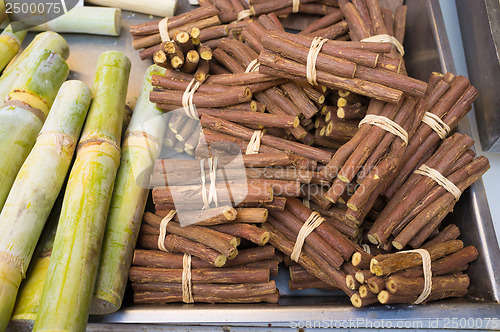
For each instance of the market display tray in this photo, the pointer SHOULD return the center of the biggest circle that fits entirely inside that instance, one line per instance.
(427, 50)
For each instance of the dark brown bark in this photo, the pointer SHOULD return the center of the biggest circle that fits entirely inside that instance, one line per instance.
(199, 276)
(314, 241)
(276, 142)
(245, 231)
(414, 286)
(207, 217)
(213, 240)
(210, 290)
(390, 263)
(174, 243)
(234, 192)
(395, 211)
(162, 297)
(323, 22)
(331, 276)
(172, 97)
(327, 232)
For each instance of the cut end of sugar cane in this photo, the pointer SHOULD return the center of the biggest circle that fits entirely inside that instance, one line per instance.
(89, 20)
(156, 7)
(104, 303)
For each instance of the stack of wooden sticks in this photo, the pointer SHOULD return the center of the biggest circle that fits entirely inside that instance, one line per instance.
(399, 277)
(156, 277)
(329, 152)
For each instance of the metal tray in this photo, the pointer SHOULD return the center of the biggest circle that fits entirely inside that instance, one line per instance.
(427, 50)
(480, 27)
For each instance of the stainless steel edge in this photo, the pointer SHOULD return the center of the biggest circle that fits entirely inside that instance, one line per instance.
(436, 314)
(480, 28)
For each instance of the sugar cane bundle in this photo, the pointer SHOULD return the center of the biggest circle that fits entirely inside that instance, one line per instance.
(24, 111)
(140, 149)
(10, 42)
(26, 208)
(71, 277)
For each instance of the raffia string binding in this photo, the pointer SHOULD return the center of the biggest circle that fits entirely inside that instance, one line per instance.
(211, 196)
(163, 28)
(245, 13)
(438, 125)
(440, 179)
(187, 285)
(427, 267)
(163, 229)
(312, 56)
(254, 144)
(253, 66)
(384, 38)
(314, 220)
(187, 99)
(386, 124)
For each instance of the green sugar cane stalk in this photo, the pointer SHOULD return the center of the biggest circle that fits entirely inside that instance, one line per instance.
(24, 112)
(36, 188)
(10, 42)
(44, 41)
(30, 292)
(140, 149)
(70, 280)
